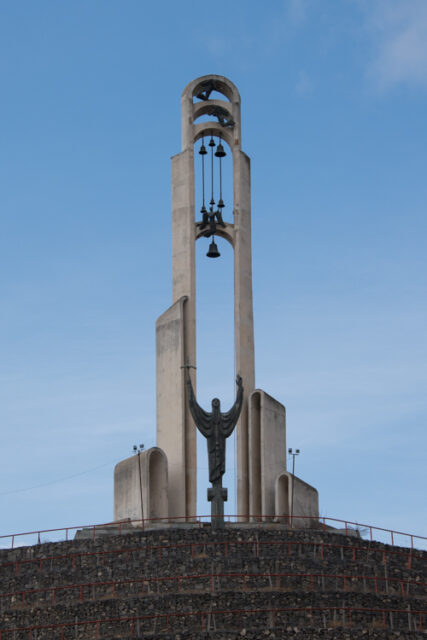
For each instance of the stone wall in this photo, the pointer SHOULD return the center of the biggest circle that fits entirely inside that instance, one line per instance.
(186, 582)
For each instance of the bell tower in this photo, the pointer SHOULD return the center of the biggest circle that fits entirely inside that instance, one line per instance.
(162, 482)
(176, 328)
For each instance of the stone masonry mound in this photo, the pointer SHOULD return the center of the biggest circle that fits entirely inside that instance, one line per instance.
(240, 582)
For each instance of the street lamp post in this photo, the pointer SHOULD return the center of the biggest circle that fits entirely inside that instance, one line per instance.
(293, 454)
(137, 451)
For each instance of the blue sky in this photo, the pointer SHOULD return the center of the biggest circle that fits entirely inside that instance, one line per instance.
(334, 99)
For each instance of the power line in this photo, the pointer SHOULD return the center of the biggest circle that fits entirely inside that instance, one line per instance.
(46, 484)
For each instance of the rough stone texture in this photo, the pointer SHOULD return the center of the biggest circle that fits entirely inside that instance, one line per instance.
(72, 584)
(294, 633)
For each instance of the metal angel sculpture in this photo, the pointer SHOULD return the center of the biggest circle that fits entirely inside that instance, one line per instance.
(216, 427)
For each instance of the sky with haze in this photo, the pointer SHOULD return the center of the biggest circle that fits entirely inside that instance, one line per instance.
(334, 118)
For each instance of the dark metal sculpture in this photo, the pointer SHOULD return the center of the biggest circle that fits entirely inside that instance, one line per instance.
(209, 222)
(216, 427)
(224, 118)
(206, 89)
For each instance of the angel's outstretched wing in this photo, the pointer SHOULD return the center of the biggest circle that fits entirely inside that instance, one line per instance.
(202, 418)
(230, 418)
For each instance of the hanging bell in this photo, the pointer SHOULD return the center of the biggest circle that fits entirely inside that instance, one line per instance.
(220, 153)
(213, 250)
(212, 142)
(202, 150)
(221, 204)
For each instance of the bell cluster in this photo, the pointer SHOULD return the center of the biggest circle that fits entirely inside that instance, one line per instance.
(212, 218)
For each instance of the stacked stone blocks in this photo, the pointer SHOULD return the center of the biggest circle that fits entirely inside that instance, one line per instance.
(189, 582)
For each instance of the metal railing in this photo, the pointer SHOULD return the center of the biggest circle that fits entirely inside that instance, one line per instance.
(386, 618)
(211, 582)
(320, 549)
(321, 523)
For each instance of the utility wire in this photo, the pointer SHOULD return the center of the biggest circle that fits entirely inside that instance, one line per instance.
(46, 484)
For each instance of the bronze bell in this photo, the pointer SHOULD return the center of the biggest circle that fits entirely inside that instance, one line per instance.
(202, 150)
(221, 204)
(212, 142)
(220, 153)
(213, 250)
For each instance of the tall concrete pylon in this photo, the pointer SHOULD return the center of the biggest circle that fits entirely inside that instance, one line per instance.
(162, 482)
(176, 328)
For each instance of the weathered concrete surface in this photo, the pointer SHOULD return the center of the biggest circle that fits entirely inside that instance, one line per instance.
(260, 448)
(178, 439)
(243, 316)
(173, 430)
(305, 497)
(184, 286)
(128, 501)
(267, 451)
(141, 486)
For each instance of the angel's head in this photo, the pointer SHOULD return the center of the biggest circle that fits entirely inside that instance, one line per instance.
(216, 403)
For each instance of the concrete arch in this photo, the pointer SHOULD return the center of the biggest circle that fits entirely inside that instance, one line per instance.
(305, 500)
(223, 85)
(201, 108)
(226, 233)
(282, 498)
(192, 110)
(141, 487)
(157, 484)
(214, 129)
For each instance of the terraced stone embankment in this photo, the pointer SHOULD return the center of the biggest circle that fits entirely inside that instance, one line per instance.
(242, 582)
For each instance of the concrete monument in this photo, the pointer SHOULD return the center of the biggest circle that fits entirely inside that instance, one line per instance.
(261, 428)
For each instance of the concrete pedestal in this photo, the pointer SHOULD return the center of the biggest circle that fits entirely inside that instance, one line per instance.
(141, 487)
(267, 452)
(306, 500)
